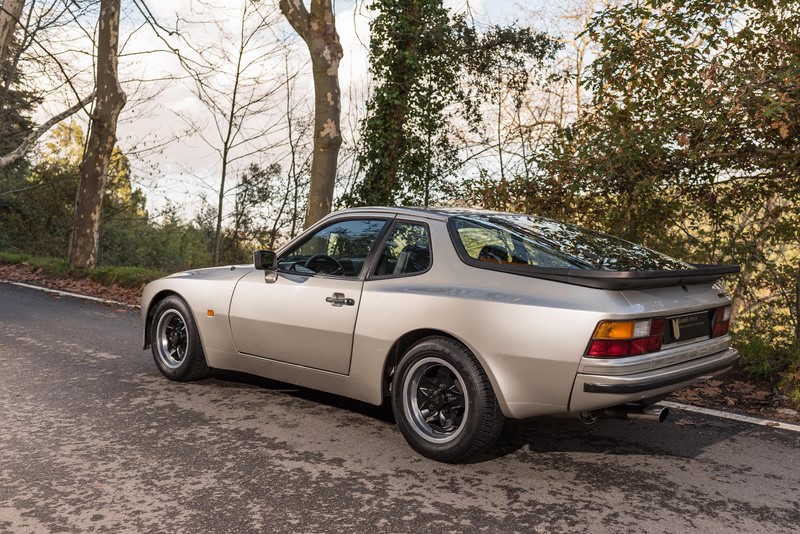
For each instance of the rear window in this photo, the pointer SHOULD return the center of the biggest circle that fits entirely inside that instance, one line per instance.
(538, 242)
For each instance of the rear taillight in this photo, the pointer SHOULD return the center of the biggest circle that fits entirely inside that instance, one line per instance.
(617, 339)
(721, 321)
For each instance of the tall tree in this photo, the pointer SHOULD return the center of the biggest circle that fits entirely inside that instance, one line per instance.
(16, 104)
(30, 62)
(318, 29)
(692, 142)
(233, 77)
(432, 68)
(10, 12)
(109, 101)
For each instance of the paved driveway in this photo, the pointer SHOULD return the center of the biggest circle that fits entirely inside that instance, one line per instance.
(92, 438)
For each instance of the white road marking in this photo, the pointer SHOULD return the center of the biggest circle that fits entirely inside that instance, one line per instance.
(732, 416)
(69, 294)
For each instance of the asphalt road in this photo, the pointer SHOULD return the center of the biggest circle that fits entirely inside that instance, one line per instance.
(92, 438)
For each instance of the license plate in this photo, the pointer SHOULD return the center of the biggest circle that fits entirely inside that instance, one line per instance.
(685, 327)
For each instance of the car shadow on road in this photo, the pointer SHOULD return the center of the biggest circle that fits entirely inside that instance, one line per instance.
(380, 413)
(681, 436)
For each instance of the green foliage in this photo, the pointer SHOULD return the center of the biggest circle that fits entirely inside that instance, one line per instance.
(691, 145)
(55, 267)
(37, 218)
(431, 69)
(16, 105)
(763, 361)
(404, 146)
(256, 188)
(757, 356)
(123, 276)
(59, 268)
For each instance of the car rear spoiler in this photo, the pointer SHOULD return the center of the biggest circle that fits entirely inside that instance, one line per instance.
(617, 280)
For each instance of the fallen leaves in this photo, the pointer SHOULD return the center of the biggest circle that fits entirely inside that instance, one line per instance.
(730, 391)
(83, 286)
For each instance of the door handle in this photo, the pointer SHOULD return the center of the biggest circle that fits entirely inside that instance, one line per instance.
(338, 300)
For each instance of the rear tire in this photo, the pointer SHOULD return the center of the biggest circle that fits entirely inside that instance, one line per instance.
(443, 401)
(175, 341)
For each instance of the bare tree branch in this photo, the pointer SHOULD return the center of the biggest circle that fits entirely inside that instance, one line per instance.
(297, 15)
(23, 148)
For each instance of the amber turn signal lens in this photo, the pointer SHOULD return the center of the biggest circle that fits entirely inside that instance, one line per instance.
(615, 339)
(614, 330)
(211, 313)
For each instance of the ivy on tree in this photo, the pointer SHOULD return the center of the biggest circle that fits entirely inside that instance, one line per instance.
(432, 68)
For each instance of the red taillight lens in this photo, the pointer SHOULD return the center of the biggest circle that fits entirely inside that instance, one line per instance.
(722, 321)
(617, 339)
(645, 345)
(601, 348)
(657, 326)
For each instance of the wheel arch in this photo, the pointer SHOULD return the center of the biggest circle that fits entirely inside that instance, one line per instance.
(157, 298)
(404, 342)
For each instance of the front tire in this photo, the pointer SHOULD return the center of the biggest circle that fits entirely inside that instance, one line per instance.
(175, 341)
(443, 401)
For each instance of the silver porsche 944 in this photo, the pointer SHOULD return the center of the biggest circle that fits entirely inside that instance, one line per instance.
(461, 318)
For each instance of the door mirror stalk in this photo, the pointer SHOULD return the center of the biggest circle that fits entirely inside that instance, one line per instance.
(267, 261)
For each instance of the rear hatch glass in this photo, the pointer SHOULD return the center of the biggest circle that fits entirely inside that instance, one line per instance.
(521, 240)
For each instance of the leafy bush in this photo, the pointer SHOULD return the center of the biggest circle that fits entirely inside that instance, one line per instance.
(54, 267)
(770, 361)
(124, 276)
(790, 378)
(757, 356)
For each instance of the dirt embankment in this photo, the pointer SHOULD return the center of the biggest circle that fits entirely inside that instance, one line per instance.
(84, 286)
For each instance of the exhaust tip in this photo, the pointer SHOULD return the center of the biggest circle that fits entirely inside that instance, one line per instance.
(660, 412)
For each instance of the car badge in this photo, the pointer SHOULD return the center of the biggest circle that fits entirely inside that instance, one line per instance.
(676, 329)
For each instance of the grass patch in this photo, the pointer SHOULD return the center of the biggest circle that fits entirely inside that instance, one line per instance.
(107, 275)
(790, 379)
(756, 357)
(53, 267)
(125, 276)
(777, 365)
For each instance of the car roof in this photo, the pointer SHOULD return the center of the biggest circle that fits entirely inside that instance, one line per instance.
(438, 213)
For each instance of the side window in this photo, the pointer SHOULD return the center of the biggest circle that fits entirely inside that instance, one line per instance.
(493, 244)
(339, 249)
(407, 251)
(485, 244)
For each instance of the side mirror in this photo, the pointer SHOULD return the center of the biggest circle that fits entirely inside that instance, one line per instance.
(265, 260)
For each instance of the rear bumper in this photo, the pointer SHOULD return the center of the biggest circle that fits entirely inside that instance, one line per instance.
(603, 384)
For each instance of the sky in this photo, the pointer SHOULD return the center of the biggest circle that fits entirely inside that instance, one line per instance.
(172, 166)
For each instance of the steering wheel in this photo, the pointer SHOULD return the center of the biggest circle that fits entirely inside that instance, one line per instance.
(326, 265)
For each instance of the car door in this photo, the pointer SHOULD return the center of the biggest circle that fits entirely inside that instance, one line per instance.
(307, 316)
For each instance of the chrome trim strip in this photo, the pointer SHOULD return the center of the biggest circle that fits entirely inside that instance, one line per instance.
(656, 360)
(655, 380)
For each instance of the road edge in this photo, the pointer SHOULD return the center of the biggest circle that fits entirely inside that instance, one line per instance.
(732, 416)
(62, 293)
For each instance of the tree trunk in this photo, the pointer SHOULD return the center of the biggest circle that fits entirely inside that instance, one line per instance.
(10, 13)
(109, 101)
(318, 30)
(797, 311)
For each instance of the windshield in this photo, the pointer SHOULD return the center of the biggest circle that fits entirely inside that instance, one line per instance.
(535, 241)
